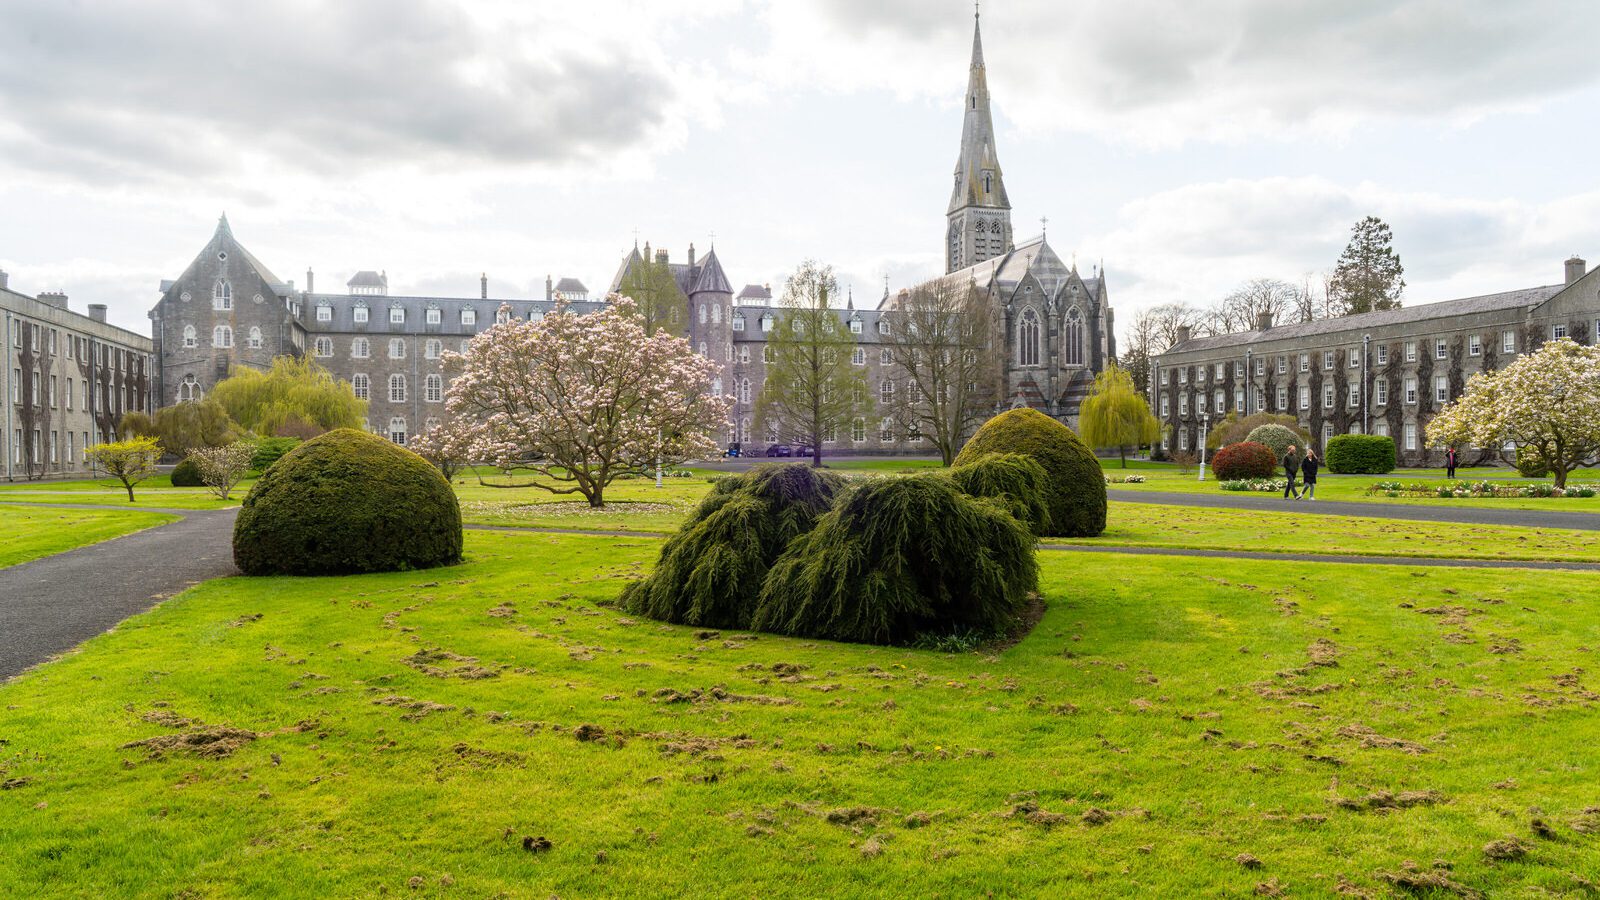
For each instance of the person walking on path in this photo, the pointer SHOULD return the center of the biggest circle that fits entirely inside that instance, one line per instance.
(1308, 475)
(1290, 466)
(1450, 462)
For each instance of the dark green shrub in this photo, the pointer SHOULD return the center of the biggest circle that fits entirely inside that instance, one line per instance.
(270, 450)
(1278, 438)
(902, 558)
(1016, 480)
(1360, 454)
(1246, 459)
(187, 474)
(1531, 463)
(710, 572)
(1076, 485)
(347, 502)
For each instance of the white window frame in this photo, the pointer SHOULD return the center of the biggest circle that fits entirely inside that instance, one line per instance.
(324, 312)
(397, 388)
(397, 315)
(469, 316)
(360, 314)
(1508, 342)
(397, 344)
(434, 317)
(1411, 388)
(1441, 388)
(1474, 345)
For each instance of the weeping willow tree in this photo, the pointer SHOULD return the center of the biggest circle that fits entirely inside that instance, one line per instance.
(294, 394)
(710, 572)
(901, 558)
(1116, 415)
(1015, 480)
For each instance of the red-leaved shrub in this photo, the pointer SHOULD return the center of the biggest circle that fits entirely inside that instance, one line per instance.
(1246, 459)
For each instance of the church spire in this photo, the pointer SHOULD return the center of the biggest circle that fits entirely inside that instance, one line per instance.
(980, 210)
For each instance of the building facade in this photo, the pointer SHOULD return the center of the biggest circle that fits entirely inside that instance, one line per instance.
(228, 310)
(1385, 373)
(67, 381)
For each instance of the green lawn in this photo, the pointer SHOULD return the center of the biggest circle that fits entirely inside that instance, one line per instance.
(634, 504)
(1354, 488)
(29, 533)
(156, 491)
(417, 731)
(1151, 525)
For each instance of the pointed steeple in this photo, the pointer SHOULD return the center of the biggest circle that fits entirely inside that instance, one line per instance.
(222, 227)
(979, 210)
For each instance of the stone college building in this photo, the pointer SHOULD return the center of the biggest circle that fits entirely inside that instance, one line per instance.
(228, 309)
(1383, 373)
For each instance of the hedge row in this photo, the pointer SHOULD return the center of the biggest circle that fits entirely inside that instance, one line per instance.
(1360, 454)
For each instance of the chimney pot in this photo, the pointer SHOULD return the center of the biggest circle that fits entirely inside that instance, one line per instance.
(53, 298)
(311, 281)
(97, 311)
(1263, 321)
(691, 256)
(483, 286)
(5, 280)
(661, 256)
(1576, 268)
(1183, 334)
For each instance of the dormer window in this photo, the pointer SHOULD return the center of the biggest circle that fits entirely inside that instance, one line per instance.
(766, 322)
(324, 312)
(433, 315)
(883, 326)
(397, 315)
(502, 316)
(359, 313)
(469, 316)
(737, 321)
(855, 326)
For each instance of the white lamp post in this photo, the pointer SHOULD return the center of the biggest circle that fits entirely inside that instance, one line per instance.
(1205, 423)
(658, 457)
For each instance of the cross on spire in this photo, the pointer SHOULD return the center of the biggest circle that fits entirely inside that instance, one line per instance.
(1044, 225)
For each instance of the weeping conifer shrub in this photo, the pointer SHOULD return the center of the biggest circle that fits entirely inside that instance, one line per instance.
(710, 572)
(900, 558)
(1075, 483)
(1017, 481)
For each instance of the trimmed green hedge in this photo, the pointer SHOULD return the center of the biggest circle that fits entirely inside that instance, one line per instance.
(270, 450)
(1075, 486)
(1278, 438)
(187, 474)
(1016, 480)
(347, 502)
(1360, 454)
(1243, 461)
(711, 570)
(902, 558)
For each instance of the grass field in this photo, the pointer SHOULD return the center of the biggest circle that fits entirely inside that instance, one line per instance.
(494, 729)
(156, 491)
(29, 533)
(1354, 488)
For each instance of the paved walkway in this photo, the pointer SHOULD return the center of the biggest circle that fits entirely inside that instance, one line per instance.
(50, 605)
(1464, 515)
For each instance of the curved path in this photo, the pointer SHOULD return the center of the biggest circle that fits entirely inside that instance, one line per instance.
(52, 604)
(1464, 515)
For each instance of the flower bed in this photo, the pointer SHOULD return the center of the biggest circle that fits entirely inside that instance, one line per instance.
(1449, 490)
(1124, 479)
(1263, 485)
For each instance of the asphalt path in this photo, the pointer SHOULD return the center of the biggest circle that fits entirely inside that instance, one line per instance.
(52, 604)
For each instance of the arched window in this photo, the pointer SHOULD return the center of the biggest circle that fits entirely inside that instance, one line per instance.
(222, 296)
(397, 389)
(323, 346)
(189, 388)
(744, 430)
(716, 314)
(886, 392)
(433, 388)
(360, 348)
(397, 430)
(502, 316)
(222, 336)
(1074, 337)
(397, 348)
(189, 339)
(433, 348)
(430, 424)
(702, 313)
(1028, 339)
(886, 430)
(255, 338)
(362, 385)
(716, 387)
(744, 390)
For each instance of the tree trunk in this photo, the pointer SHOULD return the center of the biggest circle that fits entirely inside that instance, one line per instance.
(130, 491)
(1560, 472)
(1123, 449)
(816, 455)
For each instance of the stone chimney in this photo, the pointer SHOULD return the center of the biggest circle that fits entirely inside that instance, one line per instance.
(691, 256)
(661, 257)
(97, 311)
(1263, 321)
(1183, 334)
(483, 286)
(53, 298)
(5, 280)
(1576, 268)
(311, 281)
(549, 287)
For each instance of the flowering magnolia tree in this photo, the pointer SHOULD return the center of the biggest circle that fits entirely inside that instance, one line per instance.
(221, 468)
(445, 447)
(581, 399)
(1547, 402)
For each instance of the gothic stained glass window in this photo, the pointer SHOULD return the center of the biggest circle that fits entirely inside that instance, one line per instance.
(1074, 338)
(1028, 339)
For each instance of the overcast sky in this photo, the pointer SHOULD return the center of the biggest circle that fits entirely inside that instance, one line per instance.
(1191, 144)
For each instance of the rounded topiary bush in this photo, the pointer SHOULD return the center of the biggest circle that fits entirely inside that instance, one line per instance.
(1531, 463)
(1016, 480)
(1246, 459)
(1360, 454)
(1278, 438)
(187, 474)
(899, 558)
(711, 571)
(345, 502)
(1075, 485)
(270, 450)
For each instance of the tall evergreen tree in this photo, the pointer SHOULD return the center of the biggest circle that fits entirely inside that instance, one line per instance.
(1368, 275)
(655, 292)
(813, 391)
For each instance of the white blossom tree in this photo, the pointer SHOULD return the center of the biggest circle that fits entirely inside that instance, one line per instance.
(1547, 401)
(221, 468)
(582, 399)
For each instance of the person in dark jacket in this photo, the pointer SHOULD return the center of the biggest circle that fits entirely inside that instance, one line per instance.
(1450, 462)
(1308, 474)
(1290, 466)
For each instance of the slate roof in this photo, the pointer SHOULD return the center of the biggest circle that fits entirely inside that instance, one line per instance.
(1486, 303)
(571, 286)
(416, 313)
(711, 277)
(368, 278)
(755, 292)
(1003, 273)
(752, 317)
